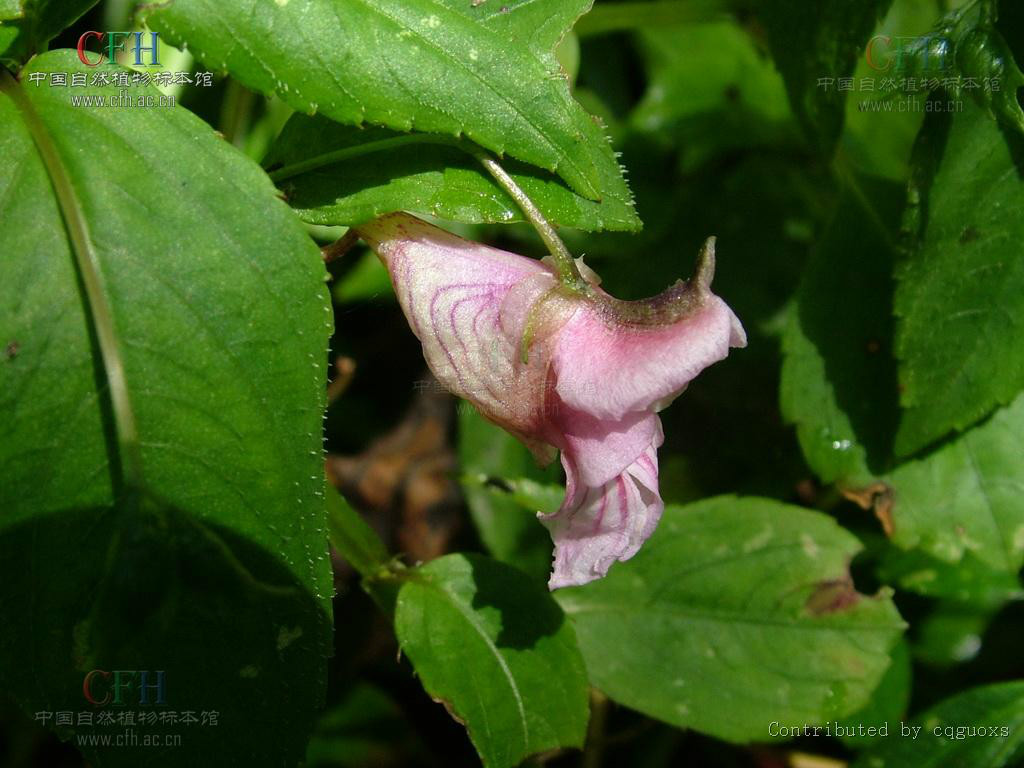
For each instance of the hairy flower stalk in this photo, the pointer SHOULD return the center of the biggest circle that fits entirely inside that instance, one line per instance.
(564, 367)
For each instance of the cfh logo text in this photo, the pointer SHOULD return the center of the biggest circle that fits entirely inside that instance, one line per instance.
(122, 687)
(110, 43)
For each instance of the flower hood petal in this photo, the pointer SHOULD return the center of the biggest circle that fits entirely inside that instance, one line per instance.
(610, 369)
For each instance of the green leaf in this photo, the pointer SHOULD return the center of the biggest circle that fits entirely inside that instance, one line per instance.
(879, 143)
(711, 90)
(962, 503)
(951, 633)
(11, 9)
(492, 461)
(838, 381)
(888, 702)
(967, 580)
(353, 537)
(737, 612)
(960, 292)
(949, 737)
(164, 319)
(29, 25)
(8, 34)
(390, 171)
(984, 55)
(812, 41)
(448, 67)
(497, 651)
(538, 27)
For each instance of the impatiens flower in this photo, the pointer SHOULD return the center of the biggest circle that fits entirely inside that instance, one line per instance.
(562, 366)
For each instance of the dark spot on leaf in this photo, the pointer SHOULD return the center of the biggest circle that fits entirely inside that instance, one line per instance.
(873, 346)
(448, 706)
(832, 596)
(969, 235)
(11, 350)
(878, 498)
(732, 93)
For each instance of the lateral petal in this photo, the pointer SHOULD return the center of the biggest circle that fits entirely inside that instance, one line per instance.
(597, 526)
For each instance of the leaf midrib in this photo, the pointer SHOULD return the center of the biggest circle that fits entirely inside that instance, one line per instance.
(476, 625)
(95, 303)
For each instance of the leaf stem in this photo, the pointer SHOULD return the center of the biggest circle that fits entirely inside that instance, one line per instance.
(564, 261)
(87, 263)
(339, 247)
(615, 17)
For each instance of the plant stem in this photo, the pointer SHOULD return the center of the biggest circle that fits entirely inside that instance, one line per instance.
(564, 261)
(339, 247)
(615, 17)
(87, 263)
(236, 112)
(594, 748)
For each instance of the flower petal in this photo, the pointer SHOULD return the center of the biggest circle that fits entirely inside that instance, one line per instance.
(465, 302)
(609, 368)
(602, 449)
(563, 367)
(598, 525)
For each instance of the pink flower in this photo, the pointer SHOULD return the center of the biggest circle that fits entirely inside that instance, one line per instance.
(561, 367)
